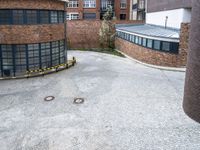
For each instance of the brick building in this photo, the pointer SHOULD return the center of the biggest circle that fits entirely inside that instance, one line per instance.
(163, 40)
(32, 36)
(94, 9)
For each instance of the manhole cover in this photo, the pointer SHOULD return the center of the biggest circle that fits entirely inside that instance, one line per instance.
(78, 100)
(49, 98)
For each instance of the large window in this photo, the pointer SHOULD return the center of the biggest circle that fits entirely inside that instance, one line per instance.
(30, 17)
(55, 53)
(45, 55)
(89, 3)
(15, 60)
(73, 3)
(156, 44)
(164, 46)
(5, 17)
(18, 17)
(7, 60)
(33, 54)
(106, 3)
(44, 17)
(54, 17)
(20, 58)
(123, 4)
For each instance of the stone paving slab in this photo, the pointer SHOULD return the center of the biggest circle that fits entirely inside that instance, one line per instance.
(127, 106)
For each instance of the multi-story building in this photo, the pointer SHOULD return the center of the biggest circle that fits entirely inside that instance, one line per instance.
(163, 39)
(94, 9)
(32, 36)
(138, 9)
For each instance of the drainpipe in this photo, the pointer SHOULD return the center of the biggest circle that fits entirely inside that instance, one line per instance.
(191, 102)
(166, 19)
(65, 28)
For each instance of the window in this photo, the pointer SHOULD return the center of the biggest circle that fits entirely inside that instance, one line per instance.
(166, 46)
(20, 58)
(7, 59)
(5, 17)
(89, 16)
(54, 17)
(89, 3)
(106, 3)
(18, 17)
(140, 41)
(136, 39)
(44, 17)
(149, 43)
(156, 45)
(122, 16)
(61, 17)
(72, 16)
(133, 38)
(144, 42)
(141, 4)
(33, 54)
(73, 3)
(55, 53)
(62, 52)
(21, 17)
(123, 3)
(31, 16)
(45, 55)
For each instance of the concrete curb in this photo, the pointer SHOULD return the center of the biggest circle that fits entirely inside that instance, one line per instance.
(154, 66)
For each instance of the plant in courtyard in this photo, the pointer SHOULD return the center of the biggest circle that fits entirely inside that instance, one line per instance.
(107, 31)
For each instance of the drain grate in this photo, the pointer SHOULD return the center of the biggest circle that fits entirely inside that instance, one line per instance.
(79, 100)
(49, 98)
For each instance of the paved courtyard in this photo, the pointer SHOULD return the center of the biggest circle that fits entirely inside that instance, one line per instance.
(127, 106)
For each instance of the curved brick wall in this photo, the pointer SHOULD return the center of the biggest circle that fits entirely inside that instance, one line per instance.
(156, 57)
(32, 36)
(32, 4)
(9, 34)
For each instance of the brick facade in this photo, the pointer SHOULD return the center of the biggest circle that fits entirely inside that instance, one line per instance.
(155, 57)
(97, 10)
(31, 33)
(32, 4)
(9, 34)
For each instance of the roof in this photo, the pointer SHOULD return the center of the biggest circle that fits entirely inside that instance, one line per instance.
(151, 31)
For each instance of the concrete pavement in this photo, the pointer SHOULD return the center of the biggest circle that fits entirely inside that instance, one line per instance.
(127, 106)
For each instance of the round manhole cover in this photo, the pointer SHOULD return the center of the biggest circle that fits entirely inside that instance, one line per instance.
(49, 98)
(78, 100)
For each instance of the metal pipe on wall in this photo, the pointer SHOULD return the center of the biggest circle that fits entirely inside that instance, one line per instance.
(191, 103)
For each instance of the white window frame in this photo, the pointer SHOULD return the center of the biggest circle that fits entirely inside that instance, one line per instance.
(73, 4)
(89, 3)
(72, 16)
(123, 4)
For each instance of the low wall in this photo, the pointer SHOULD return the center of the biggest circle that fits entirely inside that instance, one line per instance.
(85, 33)
(155, 57)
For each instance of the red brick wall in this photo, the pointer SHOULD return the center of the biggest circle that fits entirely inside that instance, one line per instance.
(85, 33)
(80, 10)
(32, 4)
(24, 34)
(18, 34)
(155, 57)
